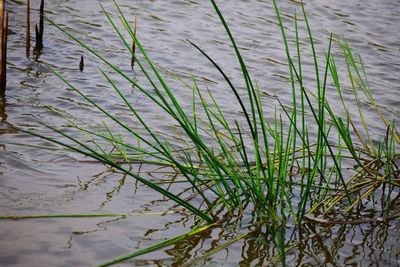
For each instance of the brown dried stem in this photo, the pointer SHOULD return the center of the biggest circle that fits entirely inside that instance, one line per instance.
(28, 29)
(39, 30)
(3, 45)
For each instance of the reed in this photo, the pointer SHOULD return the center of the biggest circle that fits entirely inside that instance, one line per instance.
(257, 174)
(248, 169)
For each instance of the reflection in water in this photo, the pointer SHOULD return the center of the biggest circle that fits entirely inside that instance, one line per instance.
(37, 52)
(5, 126)
(345, 245)
(3, 115)
(350, 245)
(311, 244)
(99, 227)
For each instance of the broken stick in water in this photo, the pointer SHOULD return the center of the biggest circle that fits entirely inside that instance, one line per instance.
(81, 64)
(39, 31)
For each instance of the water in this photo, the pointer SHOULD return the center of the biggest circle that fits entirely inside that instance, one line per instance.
(35, 181)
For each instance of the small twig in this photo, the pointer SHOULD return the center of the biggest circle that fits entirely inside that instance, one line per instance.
(81, 64)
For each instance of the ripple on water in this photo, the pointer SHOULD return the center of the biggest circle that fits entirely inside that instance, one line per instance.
(42, 181)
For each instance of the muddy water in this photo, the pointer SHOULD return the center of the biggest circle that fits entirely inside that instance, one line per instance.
(36, 181)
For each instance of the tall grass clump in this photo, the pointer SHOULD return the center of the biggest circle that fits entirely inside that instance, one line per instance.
(271, 171)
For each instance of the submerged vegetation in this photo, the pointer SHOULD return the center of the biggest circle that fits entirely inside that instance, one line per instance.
(312, 162)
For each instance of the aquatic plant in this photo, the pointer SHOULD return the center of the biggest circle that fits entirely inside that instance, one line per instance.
(249, 170)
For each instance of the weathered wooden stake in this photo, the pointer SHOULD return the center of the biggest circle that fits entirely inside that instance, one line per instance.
(5, 38)
(28, 29)
(81, 64)
(2, 78)
(133, 44)
(3, 45)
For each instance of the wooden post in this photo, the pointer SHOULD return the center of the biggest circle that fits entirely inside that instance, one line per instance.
(3, 45)
(28, 29)
(2, 75)
(5, 35)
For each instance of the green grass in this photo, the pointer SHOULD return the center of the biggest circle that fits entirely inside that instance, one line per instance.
(250, 169)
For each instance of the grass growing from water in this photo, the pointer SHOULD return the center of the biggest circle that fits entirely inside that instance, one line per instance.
(251, 169)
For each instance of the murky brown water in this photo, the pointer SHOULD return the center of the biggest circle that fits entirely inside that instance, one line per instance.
(34, 181)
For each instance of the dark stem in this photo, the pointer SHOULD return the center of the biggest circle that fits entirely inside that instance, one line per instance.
(81, 64)
(28, 29)
(41, 25)
(39, 43)
(3, 45)
(39, 31)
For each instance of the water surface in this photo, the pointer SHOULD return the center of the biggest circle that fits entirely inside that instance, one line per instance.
(36, 181)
